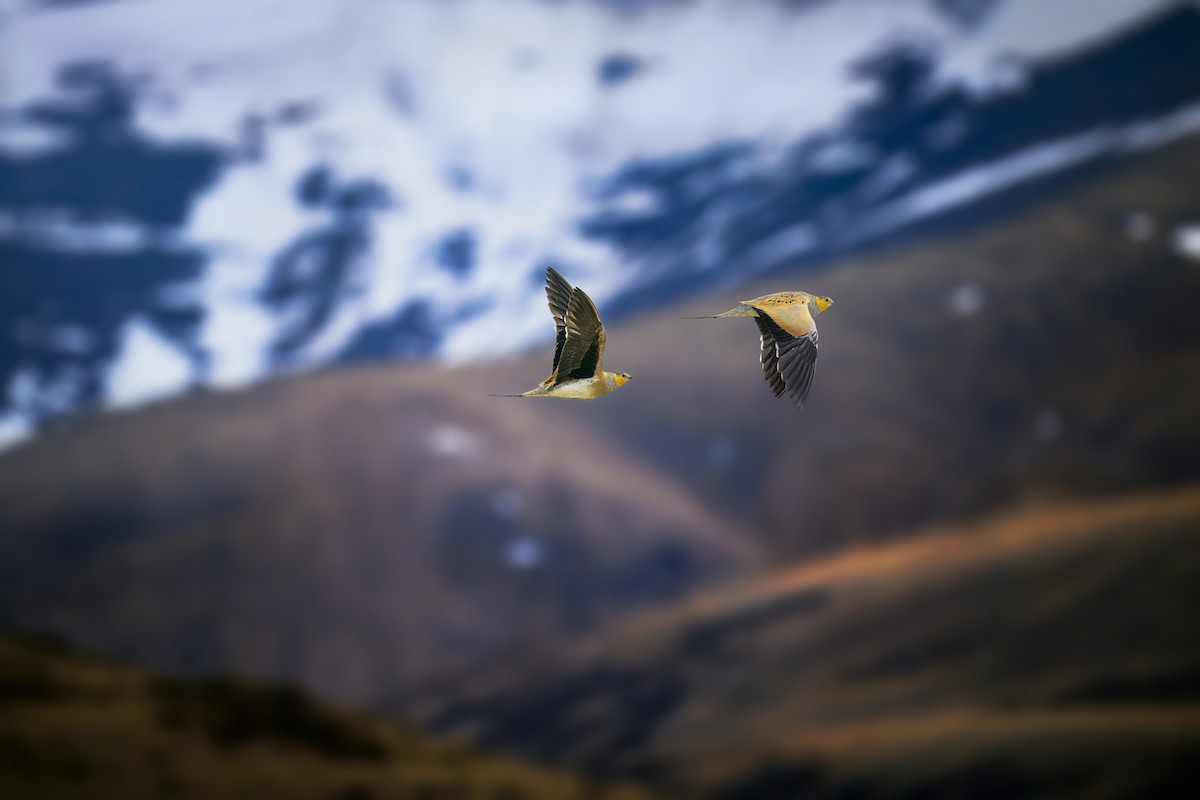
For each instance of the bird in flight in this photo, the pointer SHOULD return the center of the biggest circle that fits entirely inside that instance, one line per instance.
(788, 335)
(578, 347)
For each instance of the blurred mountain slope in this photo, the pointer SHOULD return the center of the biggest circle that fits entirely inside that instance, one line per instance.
(363, 529)
(1050, 355)
(74, 726)
(353, 531)
(1049, 653)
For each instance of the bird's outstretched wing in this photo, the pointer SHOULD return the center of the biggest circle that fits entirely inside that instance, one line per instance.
(770, 356)
(788, 362)
(582, 353)
(558, 294)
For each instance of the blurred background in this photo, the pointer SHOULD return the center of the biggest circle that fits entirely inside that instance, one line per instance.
(263, 532)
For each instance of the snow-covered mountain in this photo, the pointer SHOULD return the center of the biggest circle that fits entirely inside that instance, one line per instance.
(208, 193)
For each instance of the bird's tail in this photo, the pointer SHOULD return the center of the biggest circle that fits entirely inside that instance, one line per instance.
(490, 394)
(742, 310)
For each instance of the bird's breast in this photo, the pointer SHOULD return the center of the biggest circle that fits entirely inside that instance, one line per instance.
(585, 388)
(795, 319)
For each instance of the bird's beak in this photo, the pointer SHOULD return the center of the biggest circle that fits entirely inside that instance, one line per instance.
(823, 303)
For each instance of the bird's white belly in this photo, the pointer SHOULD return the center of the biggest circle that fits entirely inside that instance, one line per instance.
(582, 388)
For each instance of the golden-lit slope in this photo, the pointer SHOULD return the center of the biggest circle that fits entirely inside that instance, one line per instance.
(1051, 653)
(75, 727)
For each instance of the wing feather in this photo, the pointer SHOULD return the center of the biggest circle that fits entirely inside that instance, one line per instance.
(770, 359)
(583, 351)
(558, 295)
(795, 359)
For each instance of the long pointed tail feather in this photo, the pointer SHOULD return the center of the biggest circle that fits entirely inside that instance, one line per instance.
(740, 311)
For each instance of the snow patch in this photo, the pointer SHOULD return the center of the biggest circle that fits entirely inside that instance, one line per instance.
(971, 184)
(1027, 30)
(524, 553)
(26, 140)
(452, 442)
(634, 203)
(148, 368)
(1187, 241)
(14, 429)
(965, 300)
(61, 233)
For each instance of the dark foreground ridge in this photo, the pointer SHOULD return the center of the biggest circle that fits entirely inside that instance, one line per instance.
(74, 726)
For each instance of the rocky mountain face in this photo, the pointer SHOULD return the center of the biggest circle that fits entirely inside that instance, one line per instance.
(148, 255)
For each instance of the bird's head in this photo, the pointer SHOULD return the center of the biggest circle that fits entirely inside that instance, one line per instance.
(621, 377)
(821, 303)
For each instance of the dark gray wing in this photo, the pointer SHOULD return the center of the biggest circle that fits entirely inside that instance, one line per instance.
(770, 359)
(558, 294)
(583, 350)
(794, 361)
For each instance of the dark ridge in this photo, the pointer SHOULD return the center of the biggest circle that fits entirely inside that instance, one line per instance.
(234, 713)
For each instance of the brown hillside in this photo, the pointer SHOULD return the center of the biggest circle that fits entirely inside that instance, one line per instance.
(1052, 653)
(353, 531)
